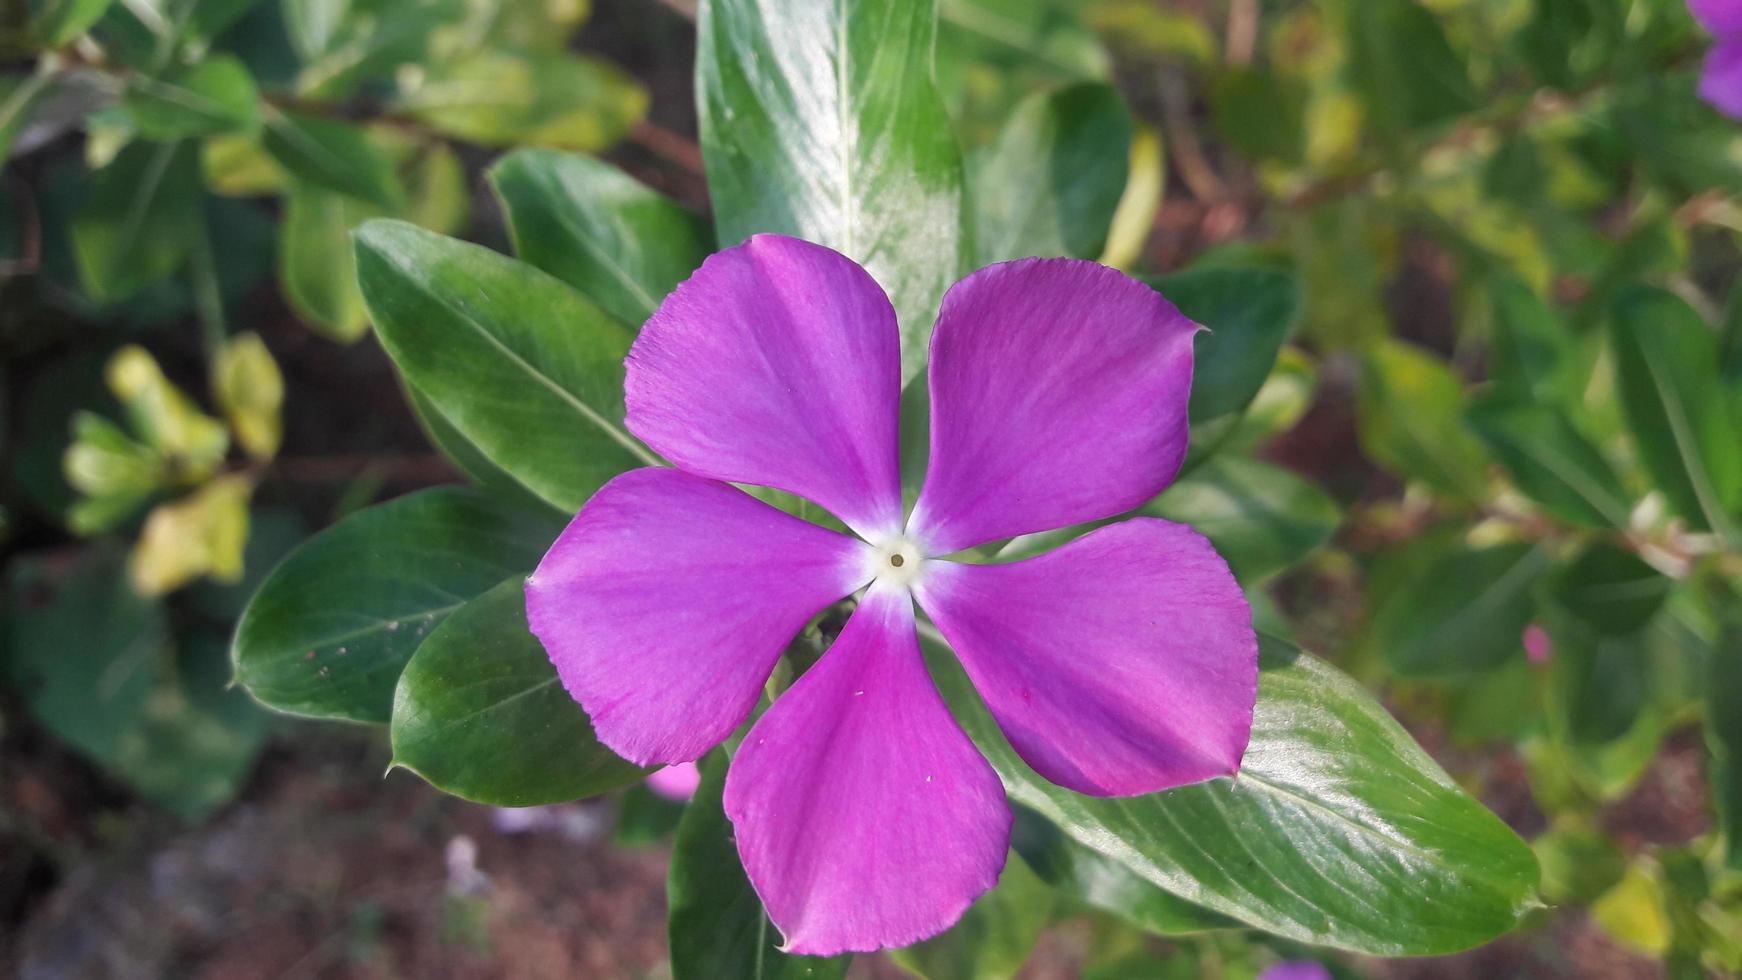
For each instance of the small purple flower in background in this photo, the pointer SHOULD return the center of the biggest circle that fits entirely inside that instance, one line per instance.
(677, 782)
(1721, 80)
(1295, 970)
(1538, 646)
(1123, 662)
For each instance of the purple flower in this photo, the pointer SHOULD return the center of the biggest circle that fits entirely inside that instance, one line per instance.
(1721, 81)
(676, 782)
(1295, 970)
(1123, 662)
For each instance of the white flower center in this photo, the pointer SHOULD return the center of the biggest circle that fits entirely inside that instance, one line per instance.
(896, 561)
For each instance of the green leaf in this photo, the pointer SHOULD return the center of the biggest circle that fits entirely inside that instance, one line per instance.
(1552, 461)
(215, 96)
(520, 364)
(1410, 408)
(1261, 113)
(645, 818)
(316, 262)
(87, 658)
(467, 458)
(1333, 801)
(346, 43)
(480, 713)
(821, 121)
(500, 98)
(1104, 883)
(1666, 366)
(329, 632)
(138, 220)
(1679, 140)
(1578, 863)
(717, 925)
(1249, 313)
(1531, 355)
(1260, 517)
(57, 23)
(1601, 681)
(331, 154)
(1404, 68)
(1612, 590)
(598, 229)
(93, 661)
(994, 936)
(1724, 736)
(18, 96)
(1442, 608)
(1050, 183)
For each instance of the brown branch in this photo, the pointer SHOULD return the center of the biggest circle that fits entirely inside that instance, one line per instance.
(672, 146)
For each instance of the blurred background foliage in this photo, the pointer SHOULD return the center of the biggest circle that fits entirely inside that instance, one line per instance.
(1470, 423)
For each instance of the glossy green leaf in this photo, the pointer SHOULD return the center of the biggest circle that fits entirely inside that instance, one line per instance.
(1260, 517)
(1673, 400)
(1333, 800)
(1410, 410)
(332, 154)
(1248, 313)
(582, 220)
(993, 938)
(329, 632)
(138, 220)
(468, 458)
(1104, 883)
(1552, 461)
(1724, 736)
(215, 96)
(316, 263)
(520, 364)
(55, 23)
(717, 925)
(480, 713)
(1443, 608)
(499, 98)
(1050, 183)
(820, 120)
(1611, 589)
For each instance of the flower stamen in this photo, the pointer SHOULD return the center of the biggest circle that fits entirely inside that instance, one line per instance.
(897, 560)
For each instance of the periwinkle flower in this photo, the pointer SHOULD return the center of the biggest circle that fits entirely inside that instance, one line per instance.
(1122, 662)
(1721, 79)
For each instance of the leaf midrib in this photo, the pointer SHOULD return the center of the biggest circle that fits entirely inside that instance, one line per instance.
(586, 411)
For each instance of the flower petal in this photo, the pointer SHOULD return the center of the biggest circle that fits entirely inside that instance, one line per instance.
(1122, 663)
(864, 816)
(779, 364)
(667, 600)
(1059, 391)
(1720, 17)
(1721, 79)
